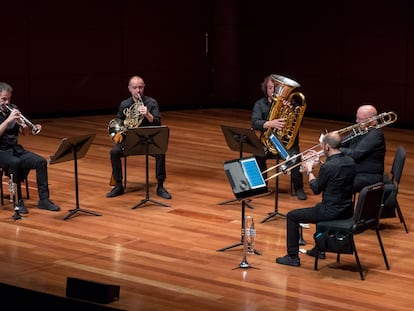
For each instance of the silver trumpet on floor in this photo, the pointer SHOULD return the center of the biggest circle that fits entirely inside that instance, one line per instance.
(12, 187)
(249, 235)
(316, 152)
(23, 120)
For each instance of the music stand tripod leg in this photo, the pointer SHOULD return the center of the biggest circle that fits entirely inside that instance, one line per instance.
(75, 210)
(235, 200)
(147, 196)
(276, 211)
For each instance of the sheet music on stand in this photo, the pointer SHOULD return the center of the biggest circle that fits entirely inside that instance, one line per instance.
(73, 148)
(65, 151)
(245, 177)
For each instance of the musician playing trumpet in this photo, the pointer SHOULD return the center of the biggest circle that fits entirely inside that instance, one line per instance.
(334, 182)
(137, 110)
(16, 160)
(368, 150)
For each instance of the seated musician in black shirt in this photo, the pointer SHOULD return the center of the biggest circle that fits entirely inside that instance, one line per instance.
(368, 150)
(148, 109)
(334, 182)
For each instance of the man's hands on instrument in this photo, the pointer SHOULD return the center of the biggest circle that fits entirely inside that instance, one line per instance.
(276, 123)
(311, 158)
(143, 110)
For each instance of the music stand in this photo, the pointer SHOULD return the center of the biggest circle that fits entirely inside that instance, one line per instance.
(276, 209)
(246, 180)
(242, 140)
(73, 148)
(147, 140)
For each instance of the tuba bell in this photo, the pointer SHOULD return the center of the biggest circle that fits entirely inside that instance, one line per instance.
(292, 115)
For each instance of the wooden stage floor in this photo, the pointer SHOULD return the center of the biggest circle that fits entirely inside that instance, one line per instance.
(166, 258)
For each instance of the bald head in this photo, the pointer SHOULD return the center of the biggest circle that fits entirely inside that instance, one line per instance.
(333, 139)
(365, 111)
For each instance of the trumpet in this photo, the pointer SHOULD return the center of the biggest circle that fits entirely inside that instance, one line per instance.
(24, 120)
(316, 152)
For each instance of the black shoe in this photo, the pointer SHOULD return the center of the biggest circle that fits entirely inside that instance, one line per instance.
(22, 208)
(314, 252)
(117, 190)
(289, 261)
(48, 205)
(301, 194)
(163, 193)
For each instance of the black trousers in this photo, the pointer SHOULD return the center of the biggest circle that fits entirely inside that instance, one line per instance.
(116, 154)
(302, 215)
(18, 162)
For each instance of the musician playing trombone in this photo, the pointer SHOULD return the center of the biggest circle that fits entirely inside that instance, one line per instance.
(260, 122)
(14, 158)
(334, 182)
(368, 150)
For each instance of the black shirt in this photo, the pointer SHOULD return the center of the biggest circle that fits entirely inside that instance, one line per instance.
(150, 103)
(335, 180)
(368, 151)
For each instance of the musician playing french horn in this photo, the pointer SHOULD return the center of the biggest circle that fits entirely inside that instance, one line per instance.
(261, 123)
(367, 150)
(135, 111)
(14, 158)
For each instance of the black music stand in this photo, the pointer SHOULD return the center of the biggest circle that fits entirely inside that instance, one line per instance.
(148, 140)
(242, 140)
(73, 148)
(276, 210)
(246, 181)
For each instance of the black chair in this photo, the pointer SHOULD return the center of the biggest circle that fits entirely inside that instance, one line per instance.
(337, 236)
(391, 186)
(4, 172)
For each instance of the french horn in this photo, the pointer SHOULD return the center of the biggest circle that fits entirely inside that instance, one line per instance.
(133, 118)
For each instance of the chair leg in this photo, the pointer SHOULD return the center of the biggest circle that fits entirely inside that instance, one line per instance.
(382, 249)
(27, 188)
(315, 265)
(125, 171)
(301, 239)
(1, 189)
(400, 215)
(361, 272)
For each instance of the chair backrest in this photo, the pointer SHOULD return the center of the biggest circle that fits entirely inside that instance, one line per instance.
(368, 208)
(398, 164)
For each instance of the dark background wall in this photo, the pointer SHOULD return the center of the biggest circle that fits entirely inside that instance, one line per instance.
(76, 57)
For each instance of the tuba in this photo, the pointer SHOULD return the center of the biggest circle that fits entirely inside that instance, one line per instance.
(133, 118)
(292, 115)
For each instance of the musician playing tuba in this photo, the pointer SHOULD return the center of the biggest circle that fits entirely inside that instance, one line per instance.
(262, 121)
(136, 111)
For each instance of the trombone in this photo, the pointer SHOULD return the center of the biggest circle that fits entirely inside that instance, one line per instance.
(312, 154)
(316, 152)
